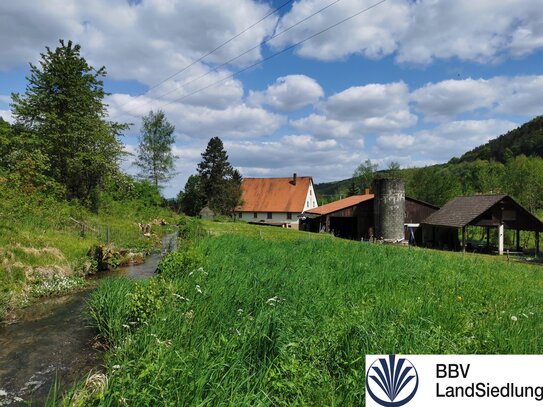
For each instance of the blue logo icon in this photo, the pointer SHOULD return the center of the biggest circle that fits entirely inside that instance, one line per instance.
(392, 383)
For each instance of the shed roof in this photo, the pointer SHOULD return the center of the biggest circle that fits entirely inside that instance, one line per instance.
(340, 204)
(274, 194)
(463, 210)
(460, 211)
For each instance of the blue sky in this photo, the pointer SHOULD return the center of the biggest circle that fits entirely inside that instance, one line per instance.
(416, 82)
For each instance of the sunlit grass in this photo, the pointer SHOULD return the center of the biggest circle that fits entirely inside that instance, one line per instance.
(257, 319)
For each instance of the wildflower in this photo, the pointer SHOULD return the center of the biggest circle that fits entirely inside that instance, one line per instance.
(180, 297)
(459, 298)
(126, 326)
(240, 311)
(514, 318)
(273, 301)
(116, 367)
(199, 289)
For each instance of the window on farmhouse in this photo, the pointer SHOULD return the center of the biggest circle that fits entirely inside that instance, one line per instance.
(255, 215)
(289, 215)
(239, 215)
(269, 215)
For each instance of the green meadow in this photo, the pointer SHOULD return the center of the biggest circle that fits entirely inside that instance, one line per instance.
(251, 318)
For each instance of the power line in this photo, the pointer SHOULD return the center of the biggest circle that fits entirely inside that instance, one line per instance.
(277, 53)
(215, 69)
(218, 47)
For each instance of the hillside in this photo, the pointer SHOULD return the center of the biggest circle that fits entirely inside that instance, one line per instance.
(526, 139)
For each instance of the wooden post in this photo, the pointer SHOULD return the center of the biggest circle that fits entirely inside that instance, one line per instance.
(536, 244)
(487, 237)
(463, 238)
(500, 240)
(518, 240)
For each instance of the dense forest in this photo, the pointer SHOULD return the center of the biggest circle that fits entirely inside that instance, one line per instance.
(527, 140)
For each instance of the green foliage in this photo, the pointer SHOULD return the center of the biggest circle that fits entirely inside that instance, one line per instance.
(62, 115)
(181, 262)
(192, 199)
(365, 173)
(145, 301)
(189, 228)
(288, 322)
(353, 189)
(155, 157)
(220, 183)
(525, 140)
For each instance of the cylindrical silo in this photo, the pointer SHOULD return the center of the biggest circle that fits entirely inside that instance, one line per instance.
(389, 209)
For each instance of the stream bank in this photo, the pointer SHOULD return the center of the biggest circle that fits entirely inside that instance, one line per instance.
(53, 340)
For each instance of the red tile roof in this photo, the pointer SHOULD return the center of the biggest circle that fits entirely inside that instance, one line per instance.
(274, 194)
(341, 204)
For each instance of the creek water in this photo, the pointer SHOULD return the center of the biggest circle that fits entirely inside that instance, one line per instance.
(52, 341)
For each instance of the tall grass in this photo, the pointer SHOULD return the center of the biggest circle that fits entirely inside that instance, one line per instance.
(255, 321)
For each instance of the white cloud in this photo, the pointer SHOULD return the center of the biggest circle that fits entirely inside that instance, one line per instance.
(199, 122)
(6, 115)
(147, 42)
(395, 141)
(455, 138)
(288, 93)
(373, 33)
(323, 128)
(376, 107)
(418, 31)
(444, 100)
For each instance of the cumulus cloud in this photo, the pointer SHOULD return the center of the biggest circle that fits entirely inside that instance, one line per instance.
(323, 128)
(372, 34)
(376, 107)
(288, 93)
(418, 31)
(444, 100)
(199, 122)
(147, 41)
(450, 139)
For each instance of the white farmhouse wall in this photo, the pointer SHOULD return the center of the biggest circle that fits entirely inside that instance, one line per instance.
(263, 217)
(310, 199)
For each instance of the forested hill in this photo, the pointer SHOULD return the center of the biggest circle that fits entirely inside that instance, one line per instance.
(526, 139)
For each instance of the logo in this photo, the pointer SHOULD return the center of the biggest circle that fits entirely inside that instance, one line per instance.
(392, 383)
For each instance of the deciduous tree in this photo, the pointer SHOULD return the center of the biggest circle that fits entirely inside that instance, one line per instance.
(155, 156)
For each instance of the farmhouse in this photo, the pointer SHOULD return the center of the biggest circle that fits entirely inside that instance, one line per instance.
(276, 201)
(388, 214)
(440, 229)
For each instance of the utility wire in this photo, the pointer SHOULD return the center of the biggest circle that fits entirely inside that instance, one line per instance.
(276, 54)
(215, 69)
(218, 47)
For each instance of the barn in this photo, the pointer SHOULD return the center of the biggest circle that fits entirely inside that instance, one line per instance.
(360, 217)
(441, 229)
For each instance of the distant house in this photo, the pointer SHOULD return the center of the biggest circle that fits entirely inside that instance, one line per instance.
(276, 201)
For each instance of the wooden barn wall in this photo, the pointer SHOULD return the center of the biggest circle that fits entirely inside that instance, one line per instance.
(416, 212)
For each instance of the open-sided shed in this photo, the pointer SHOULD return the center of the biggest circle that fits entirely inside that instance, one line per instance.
(440, 229)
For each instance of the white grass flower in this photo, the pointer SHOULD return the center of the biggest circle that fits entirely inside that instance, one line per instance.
(3, 393)
(514, 318)
(180, 297)
(240, 311)
(273, 301)
(126, 326)
(191, 273)
(116, 367)
(199, 289)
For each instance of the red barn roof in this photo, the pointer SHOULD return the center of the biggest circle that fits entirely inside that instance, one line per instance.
(274, 194)
(341, 204)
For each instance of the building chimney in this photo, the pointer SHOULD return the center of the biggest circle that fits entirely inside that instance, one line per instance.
(366, 191)
(293, 182)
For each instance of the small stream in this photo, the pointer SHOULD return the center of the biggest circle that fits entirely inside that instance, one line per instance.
(53, 341)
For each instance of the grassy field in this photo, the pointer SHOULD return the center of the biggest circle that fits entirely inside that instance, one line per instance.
(43, 248)
(254, 318)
